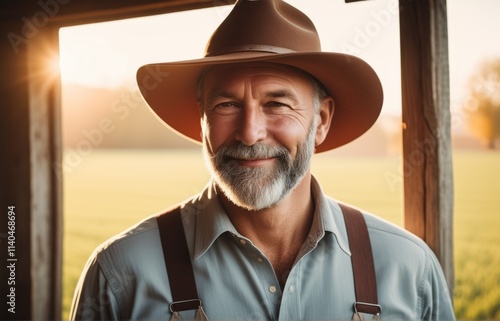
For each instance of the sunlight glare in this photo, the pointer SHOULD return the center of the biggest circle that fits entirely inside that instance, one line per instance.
(54, 66)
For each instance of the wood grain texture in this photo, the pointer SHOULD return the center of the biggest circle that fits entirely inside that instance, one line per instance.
(428, 178)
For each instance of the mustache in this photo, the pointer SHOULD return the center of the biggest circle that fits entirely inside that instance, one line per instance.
(257, 151)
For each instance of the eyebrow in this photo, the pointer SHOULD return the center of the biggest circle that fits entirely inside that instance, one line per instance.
(281, 93)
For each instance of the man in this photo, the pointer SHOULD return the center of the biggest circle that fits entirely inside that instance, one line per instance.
(262, 240)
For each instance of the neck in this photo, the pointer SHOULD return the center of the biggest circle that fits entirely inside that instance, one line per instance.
(278, 231)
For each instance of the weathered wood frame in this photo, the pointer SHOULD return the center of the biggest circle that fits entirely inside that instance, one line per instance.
(427, 150)
(30, 136)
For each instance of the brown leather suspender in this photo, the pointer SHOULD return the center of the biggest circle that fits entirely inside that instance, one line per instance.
(181, 277)
(178, 262)
(363, 268)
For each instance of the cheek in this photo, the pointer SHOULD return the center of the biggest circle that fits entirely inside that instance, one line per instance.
(216, 131)
(289, 132)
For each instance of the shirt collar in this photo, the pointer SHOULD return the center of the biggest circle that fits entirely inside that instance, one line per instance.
(328, 217)
(212, 221)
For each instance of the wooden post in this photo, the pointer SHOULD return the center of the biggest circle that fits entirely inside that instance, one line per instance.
(428, 177)
(15, 180)
(46, 177)
(30, 185)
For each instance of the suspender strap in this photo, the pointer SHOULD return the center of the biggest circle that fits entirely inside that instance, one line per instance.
(178, 261)
(362, 262)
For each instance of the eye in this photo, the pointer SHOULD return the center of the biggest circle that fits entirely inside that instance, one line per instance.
(226, 107)
(226, 104)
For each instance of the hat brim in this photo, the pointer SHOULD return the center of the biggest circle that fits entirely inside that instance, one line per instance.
(170, 89)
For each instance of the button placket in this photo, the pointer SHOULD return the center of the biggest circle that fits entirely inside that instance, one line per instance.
(290, 302)
(268, 279)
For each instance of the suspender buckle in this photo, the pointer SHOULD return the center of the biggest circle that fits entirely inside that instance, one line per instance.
(184, 305)
(369, 308)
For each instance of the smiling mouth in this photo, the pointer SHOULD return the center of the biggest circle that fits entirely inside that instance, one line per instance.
(254, 162)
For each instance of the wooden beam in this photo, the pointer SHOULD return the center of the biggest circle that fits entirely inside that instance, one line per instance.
(74, 12)
(428, 177)
(85, 11)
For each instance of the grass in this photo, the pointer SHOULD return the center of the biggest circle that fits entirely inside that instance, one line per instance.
(110, 190)
(477, 236)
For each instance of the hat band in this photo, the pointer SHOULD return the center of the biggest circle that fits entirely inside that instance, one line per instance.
(243, 48)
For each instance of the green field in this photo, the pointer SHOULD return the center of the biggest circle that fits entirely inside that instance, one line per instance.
(107, 191)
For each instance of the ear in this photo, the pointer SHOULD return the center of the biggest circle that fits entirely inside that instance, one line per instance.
(326, 111)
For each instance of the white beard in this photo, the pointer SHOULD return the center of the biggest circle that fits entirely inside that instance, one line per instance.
(258, 188)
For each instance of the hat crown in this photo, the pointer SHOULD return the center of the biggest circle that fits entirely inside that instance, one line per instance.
(264, 25)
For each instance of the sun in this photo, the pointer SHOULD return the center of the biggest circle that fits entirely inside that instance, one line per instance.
(54, 65)
(43, 65)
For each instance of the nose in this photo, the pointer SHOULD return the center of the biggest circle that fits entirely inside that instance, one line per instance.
(251, 126)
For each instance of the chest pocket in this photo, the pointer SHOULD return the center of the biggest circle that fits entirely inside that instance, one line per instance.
(183, 285)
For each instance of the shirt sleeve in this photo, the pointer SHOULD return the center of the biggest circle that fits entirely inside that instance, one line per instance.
(94, 299)
(434, 295)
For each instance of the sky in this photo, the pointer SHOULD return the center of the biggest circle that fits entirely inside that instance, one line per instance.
(108, 54)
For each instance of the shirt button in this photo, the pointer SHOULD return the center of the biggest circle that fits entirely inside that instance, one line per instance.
(272, 289)
(259, 259)
(243, 242)
(292, 288)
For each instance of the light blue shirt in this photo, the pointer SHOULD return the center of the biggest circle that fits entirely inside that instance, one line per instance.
(126, 278)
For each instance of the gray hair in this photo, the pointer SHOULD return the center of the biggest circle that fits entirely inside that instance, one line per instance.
(319, 92)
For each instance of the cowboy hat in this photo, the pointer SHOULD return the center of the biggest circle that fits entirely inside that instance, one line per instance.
(275, 32)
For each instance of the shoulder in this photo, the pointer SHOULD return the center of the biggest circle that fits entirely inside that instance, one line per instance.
(383, 234)
(138, 235)
(121, 259)
(397, 252)
(128, 250)
(392, 245)
(387, 233)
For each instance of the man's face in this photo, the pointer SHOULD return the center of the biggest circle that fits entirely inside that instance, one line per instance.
(259, 132)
